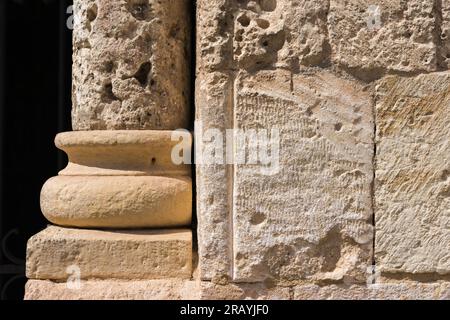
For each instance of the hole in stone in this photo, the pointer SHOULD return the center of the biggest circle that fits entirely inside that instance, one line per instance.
(139, 9)
(443, 36)
(445, 175)
(152, 83)
(92, 13)
(244, 20)
(265, 43)
(262, 23)
(142, 74)
(153, 161)
(257, 218)
(338, 126)
(108, 93)
(174, 31)
(268, 5)
(109, 66)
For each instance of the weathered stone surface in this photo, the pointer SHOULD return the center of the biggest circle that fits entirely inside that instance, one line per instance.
(412, 189)
(172, 289)
(121, 179)
(444, 49)
(280, 33)
(261, 34)
(388, 291)
(118, 202)
(397, 36)
(296, 236)
(242, 291)
(123, 153)
(96, 254)
(131, 64)
(311, 217)
(213, 100)
(167, 289)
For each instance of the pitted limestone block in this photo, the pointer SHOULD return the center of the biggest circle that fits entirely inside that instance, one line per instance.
(123, 153)
(255, 35)
(412, 186)
(308, 214)
(131, 63)
(280, 33)
(369, 38)
(63, 254)
(171, 289)
(118, 202)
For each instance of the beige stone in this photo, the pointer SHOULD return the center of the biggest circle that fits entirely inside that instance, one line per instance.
(61, 253)
(131, 64)
(242, 291)
(370, 38)
(174, 289)
(280, 33)
(213, 192)
(412, 187)
(118, 202)
(389, 291)
(261, 34)
(167, 289)
(121, 179)
(124, 153)
(302, 223)
(310, 217)
(444, 37)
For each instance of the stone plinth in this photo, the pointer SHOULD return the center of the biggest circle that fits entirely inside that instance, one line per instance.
(140, 254)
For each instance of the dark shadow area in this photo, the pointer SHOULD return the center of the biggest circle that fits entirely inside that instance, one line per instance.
(35, 82)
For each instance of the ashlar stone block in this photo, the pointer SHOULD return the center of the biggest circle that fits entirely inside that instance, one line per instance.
(63, 253)
(412, 186)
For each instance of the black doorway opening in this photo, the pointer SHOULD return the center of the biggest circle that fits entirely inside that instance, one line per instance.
(35, 85)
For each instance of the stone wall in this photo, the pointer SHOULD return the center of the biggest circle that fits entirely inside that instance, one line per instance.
(359, 92)
(353, 100)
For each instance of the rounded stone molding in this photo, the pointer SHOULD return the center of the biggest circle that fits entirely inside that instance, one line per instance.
(117, 201)
(120, 179)
(122, 153)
